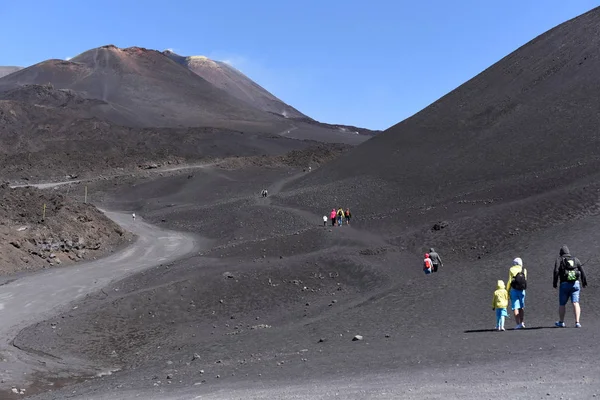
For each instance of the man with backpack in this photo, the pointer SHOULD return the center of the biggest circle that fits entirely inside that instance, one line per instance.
(517, 283)
(435, 259)
(569, 271)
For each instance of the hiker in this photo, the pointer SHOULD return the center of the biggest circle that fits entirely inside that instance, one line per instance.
(569, 271)
(340, 215)
(499, 304)
(435, 259)
(332, 216)
(427, 264)
(348, 215)
(516, 285)
(325, 220)
(264, 193)
(133, 215)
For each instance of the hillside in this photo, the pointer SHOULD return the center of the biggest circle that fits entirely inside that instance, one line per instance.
(8, 70)
(229, 79)
(514, 147)
(272, 303)
(149, 87)
(70, 232)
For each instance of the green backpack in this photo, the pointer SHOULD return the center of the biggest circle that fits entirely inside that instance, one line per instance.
(570, 271)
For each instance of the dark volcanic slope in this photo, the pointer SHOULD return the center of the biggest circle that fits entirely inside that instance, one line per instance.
(150, 87)
(525, 127)
(8, 70)
(225, 77)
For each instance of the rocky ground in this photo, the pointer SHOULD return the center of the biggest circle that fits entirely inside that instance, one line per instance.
(277, 295)
(65, 233)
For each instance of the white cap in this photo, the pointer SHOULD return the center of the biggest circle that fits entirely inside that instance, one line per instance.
(518, 261)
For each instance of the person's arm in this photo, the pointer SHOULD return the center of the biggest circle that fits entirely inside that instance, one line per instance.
(441, 262)
(494, 301)
(555, 275)
(509, 281)
(582, 273)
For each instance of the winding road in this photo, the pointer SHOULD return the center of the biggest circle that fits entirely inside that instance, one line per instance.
(34, 298)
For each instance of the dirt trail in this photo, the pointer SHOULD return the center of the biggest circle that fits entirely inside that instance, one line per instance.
(345, 233)
(48, 185)
(34, 298)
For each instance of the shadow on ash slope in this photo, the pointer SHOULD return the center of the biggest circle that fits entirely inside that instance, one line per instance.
(30, 299)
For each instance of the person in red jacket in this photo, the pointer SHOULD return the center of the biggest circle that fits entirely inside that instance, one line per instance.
(427, 264)
(333, 216)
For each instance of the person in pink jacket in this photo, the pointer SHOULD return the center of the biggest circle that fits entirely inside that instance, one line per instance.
(333, 216)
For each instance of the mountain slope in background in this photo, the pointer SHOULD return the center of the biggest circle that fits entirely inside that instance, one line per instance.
(514, 147)
(8, 70)
(148, 87)
(226, 77)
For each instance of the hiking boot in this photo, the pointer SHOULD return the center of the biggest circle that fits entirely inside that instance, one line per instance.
(519, 326)
(577, 325)
(502, 328)
(522, 324)
(559, 324)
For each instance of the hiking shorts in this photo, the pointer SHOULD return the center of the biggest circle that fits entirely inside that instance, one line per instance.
(568, 290)
(517, 299)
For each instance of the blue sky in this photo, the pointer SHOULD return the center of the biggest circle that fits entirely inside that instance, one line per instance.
(363, 63)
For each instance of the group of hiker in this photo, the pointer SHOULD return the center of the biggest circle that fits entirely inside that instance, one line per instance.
(338, 217)
(432, 262)
(568, 270)
(568, 277)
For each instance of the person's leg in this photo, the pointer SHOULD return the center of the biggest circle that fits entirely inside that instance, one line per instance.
(575, 301)
(564, 292)
(498, 317)
(515, 305)
(577, 311)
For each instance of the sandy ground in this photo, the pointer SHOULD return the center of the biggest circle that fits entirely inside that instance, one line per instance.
(270, 306)
(30, 299)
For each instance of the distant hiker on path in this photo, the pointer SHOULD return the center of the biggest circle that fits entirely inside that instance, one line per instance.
(264, 193)
(517, 283)
(435, 259)
(333, 216)
(133, 215)
(427, 264)
(325, 220)
(569, 271)
(500, 303)
(340, 216)
(348, 215)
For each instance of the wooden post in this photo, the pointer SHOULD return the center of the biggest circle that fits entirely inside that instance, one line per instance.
(85, 197)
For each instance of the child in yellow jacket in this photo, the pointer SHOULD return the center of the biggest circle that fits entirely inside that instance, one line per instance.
(500, 303)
